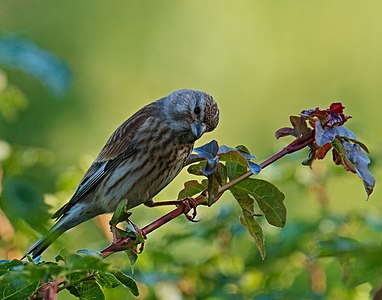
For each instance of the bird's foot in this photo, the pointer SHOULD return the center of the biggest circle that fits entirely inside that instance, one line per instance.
(131, 232)
(189, 204)
(186, 204)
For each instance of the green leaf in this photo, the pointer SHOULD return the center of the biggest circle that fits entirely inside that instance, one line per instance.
(107, 280)
(248, 219)
(120, 214)
(339, 246)
(87, 290)
(12, 102)
(234, 157)
(6, 265)
(86, 262)
(17, 285)
(127, 282)
(133, 256)
(196, 169)
(255, 230)
(19, 198)
(90, 253)
(191, 188)
(269, 198)
(213, 187)
(62, 255)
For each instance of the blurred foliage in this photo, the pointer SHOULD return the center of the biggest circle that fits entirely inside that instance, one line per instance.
(24, 55)
(262, 61)
(81, 274)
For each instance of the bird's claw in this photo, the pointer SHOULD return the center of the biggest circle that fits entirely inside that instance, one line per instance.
(190, 204)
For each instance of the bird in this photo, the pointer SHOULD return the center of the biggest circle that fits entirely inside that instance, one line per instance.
(141, 157)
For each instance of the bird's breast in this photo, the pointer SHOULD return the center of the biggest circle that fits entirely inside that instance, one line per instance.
(144, 174)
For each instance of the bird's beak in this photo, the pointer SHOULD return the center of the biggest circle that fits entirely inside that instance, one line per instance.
(198, 129)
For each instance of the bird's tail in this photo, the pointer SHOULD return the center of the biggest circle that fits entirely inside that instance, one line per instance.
(39, 247)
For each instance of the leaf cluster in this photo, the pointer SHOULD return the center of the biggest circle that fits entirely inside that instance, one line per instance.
(84, 274)
(255, 197)
(327, 126)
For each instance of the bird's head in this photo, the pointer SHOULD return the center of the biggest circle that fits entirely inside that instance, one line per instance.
(191, 113)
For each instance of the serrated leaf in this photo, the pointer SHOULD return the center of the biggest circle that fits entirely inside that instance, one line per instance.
(191, 188)
(127, 281)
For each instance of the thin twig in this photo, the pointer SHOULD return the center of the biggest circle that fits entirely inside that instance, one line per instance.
(126, 243)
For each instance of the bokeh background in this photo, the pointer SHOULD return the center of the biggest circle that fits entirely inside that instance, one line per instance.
(262, 61)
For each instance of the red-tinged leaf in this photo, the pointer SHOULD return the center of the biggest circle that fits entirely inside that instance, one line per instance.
(337, 108)
(336, 157)
(299, 129)
(299, 125)
(285, 131)
(331, 117)
(321, 153)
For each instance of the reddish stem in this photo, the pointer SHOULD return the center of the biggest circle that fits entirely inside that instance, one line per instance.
(125, 243)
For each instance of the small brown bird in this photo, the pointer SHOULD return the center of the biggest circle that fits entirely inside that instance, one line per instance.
(141, 157)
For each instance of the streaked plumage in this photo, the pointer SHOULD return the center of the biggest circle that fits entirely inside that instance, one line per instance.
(141, 157)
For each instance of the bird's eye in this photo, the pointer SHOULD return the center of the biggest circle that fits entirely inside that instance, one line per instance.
(197, 110)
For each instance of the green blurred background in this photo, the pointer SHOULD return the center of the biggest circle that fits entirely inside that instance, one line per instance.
(262, 61)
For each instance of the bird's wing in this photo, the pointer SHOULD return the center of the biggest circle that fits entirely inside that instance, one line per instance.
(119, 147)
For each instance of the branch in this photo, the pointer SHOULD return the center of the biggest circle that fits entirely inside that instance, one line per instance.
(127, 243)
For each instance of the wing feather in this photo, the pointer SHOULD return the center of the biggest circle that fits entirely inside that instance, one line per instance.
(119, 146)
